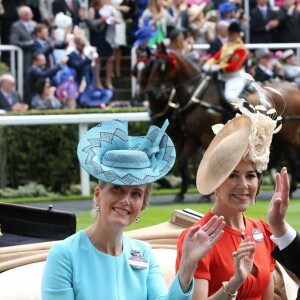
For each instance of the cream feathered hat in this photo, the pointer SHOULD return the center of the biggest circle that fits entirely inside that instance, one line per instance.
(248, 135)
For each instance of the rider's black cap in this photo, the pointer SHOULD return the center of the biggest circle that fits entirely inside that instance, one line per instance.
(234, 27)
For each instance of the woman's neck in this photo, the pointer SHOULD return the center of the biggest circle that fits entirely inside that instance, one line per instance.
(234, 220)
(106, 240)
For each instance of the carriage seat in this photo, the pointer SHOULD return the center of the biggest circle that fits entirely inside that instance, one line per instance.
(22, 224)
(24, 281)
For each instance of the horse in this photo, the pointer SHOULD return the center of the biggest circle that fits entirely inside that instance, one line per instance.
(186, 119)
(195, 116)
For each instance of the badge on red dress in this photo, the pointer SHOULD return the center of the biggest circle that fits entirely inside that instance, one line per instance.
(137, 260)
(257, 235)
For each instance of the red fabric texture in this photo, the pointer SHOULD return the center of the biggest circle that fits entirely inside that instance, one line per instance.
(217, 266)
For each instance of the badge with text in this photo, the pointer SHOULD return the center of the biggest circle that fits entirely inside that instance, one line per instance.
(257, 235)
(137, 260)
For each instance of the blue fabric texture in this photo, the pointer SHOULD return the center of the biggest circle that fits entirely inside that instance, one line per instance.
(141, 160)
(144, 34)
(75, 269)
(93, 97)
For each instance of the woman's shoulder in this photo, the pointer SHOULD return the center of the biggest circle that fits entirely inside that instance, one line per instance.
(258, 223)
(72, 242)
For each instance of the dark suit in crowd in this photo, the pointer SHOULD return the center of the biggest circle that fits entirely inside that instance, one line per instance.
(4, 102)
(288, 28)
(215, 46)
(23, 37)
(258, 32)
(36, 73)
(82, 66)
(261, 75)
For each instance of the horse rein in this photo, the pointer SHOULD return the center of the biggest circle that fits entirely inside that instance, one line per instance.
(170, 104)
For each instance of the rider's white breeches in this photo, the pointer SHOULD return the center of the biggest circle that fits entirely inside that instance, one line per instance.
(234, 85)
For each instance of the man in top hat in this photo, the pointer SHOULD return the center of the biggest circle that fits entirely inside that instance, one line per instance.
(291, 70)
(230, 60)
(265, 71)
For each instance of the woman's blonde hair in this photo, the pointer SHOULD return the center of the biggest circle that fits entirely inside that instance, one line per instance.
(154, 8)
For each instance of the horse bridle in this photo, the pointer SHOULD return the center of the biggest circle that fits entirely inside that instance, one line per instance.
(193, 99)
(170, 104)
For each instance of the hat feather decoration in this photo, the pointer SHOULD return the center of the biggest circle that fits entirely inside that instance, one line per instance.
(247, 136)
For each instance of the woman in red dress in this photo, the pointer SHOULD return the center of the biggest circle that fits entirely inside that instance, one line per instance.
(232, 169)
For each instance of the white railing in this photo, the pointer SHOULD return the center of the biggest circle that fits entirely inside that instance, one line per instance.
(206, 46)
(82, 120)
(20, 63)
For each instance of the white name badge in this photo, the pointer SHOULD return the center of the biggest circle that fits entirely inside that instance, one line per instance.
(257, 235)
(138, 262)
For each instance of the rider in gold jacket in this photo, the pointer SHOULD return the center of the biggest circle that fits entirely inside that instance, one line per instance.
(230, 60)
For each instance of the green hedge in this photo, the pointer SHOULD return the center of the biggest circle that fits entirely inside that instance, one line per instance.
(46, 154)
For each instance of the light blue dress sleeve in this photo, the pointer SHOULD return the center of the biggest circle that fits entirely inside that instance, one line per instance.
(57, 275)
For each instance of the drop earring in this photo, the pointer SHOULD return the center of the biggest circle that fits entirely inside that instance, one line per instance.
(216, 196)
(254, 201)
(97, 208)
(137, 220)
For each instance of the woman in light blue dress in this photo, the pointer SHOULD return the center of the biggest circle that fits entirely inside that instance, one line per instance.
(101, 262)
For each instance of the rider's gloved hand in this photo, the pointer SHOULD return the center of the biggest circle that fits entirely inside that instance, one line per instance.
(211, 68)
(214, 68)
(206, 67)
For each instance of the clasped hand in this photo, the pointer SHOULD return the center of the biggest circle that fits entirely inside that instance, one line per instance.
(243, 260)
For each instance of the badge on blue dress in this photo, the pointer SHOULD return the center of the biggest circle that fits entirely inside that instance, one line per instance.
(137, 260)
(257, 235)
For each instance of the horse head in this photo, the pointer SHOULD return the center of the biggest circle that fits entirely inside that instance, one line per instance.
(161, 75)
(141, 71)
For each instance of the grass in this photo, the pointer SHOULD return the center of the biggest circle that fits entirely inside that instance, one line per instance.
(158, 214)
(172, 191)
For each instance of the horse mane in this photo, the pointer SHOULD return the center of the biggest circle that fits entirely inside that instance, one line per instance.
(187, 65)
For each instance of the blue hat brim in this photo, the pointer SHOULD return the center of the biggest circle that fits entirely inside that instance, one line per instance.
(226, 7)
(111, 137)
(144, 35)
(95, 97)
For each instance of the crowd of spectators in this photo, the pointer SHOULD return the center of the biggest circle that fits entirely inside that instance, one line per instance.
(75, 37)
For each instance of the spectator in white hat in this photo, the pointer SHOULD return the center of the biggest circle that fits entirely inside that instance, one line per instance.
(267, 69)
(291, 69)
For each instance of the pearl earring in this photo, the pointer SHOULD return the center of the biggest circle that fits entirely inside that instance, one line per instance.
(97, 208)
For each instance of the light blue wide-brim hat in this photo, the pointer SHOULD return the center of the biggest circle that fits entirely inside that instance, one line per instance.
(109, 154)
